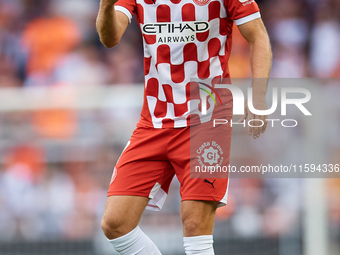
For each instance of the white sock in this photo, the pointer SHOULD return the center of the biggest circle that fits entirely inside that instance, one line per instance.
(199, 245)
(135, 243)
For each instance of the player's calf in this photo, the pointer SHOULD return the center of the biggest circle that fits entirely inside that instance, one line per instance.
(198, 217)
(198, 222)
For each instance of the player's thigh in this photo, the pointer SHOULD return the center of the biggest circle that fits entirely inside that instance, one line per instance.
(198, 217)
(122, 214)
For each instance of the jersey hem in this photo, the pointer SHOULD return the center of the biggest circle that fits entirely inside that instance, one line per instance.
(221, 202)
(202, 197)
(247, 19)
(127, 193)
(155, 203)
(151, 126)
(125, 11)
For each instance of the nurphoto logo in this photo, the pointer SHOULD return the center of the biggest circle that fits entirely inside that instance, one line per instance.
(239, 103)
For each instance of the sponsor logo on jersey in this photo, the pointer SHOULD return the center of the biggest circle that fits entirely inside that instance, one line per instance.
(175, 32)
(246, 2)
(201, 2)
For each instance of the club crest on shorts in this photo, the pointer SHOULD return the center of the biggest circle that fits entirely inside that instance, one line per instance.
(201, 2)
(209, 154)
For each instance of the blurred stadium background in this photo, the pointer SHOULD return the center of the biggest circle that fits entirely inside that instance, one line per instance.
(68, 106)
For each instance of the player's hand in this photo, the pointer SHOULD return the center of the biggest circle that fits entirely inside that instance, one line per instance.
(259, 103)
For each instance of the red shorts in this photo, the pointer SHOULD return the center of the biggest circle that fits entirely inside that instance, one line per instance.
(153, 156)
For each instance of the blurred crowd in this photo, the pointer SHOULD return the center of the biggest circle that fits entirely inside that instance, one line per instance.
(45, 43)
(49, 42)
(56, 164)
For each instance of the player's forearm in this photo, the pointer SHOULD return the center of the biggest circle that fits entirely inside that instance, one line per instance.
(107, 24)
(261, 62)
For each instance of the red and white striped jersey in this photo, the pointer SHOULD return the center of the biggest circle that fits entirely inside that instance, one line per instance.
(183, 40)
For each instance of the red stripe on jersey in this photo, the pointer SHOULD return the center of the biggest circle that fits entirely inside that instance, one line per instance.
(214, 10)
(214, 46)
(175, 1)
(177, 73)
(150, 39)
(148, 2)
(163, 54)
(223, 64)
(168, 123)
(202, 37)
(163, 13)
(147, 63)
(168, 93)
(223, 27)
(160, 109)
(180, 109)
(152, 88)
(203, 69)
(190, 52)
(140, 16)
(188, 90)
(188, 12)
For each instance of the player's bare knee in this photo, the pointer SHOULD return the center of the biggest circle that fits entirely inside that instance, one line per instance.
(112, 227)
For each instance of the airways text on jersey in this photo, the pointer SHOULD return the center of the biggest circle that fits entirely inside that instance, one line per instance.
(175, 32)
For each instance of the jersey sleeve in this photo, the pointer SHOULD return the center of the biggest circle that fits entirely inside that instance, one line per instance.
(128, 7)
(242, 11)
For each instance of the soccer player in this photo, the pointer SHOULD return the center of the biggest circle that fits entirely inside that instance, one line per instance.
(183, 40)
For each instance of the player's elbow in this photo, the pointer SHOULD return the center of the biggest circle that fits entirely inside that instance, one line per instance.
(109, 43)
(108, 39)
